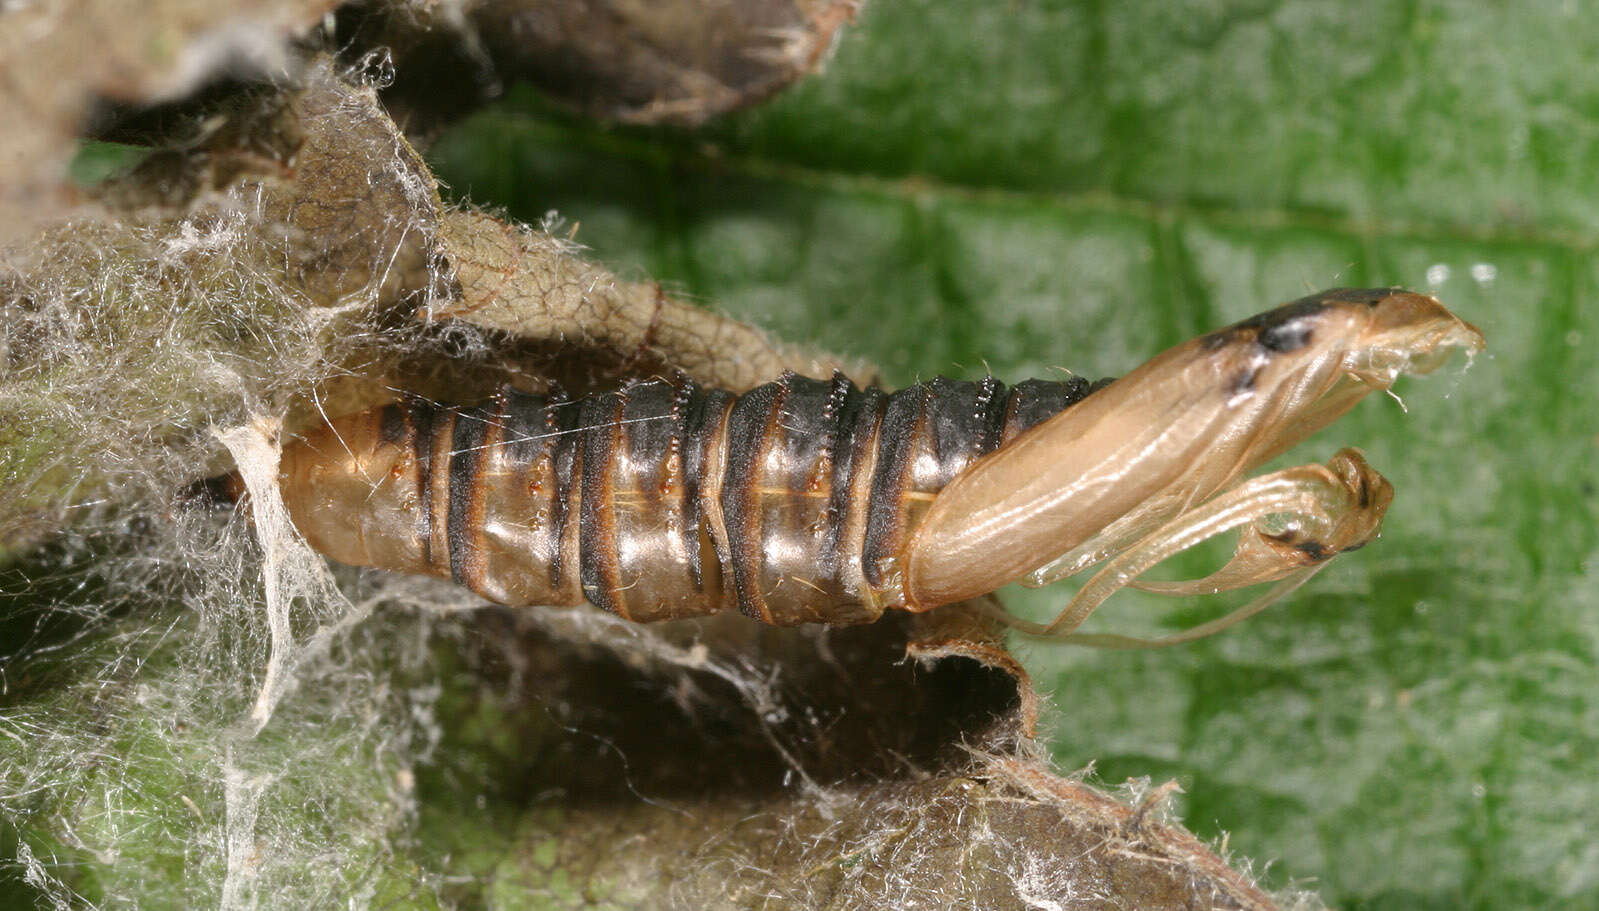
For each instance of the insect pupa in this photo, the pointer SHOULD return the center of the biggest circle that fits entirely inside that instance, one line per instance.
(815, 501)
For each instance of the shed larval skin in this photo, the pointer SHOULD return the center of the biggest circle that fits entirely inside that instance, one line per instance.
(814, 501)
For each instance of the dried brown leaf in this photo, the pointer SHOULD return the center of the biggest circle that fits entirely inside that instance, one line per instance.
(745, 767)
(676, 62)
(532, 285)
(56, 57)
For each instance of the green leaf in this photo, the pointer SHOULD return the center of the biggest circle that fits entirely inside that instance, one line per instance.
(1020, 187)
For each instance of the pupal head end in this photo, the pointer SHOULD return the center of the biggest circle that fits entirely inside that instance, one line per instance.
(1406, 332)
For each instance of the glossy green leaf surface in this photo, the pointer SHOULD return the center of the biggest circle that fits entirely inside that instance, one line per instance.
(1024, 187)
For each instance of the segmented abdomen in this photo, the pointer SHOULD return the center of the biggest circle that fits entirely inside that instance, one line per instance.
(792, 502)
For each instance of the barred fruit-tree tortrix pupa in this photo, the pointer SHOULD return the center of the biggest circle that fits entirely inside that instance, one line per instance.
(810, 501)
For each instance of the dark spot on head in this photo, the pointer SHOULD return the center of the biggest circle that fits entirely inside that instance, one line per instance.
(1284, 337)
(1355, 547)
(1286, 328)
